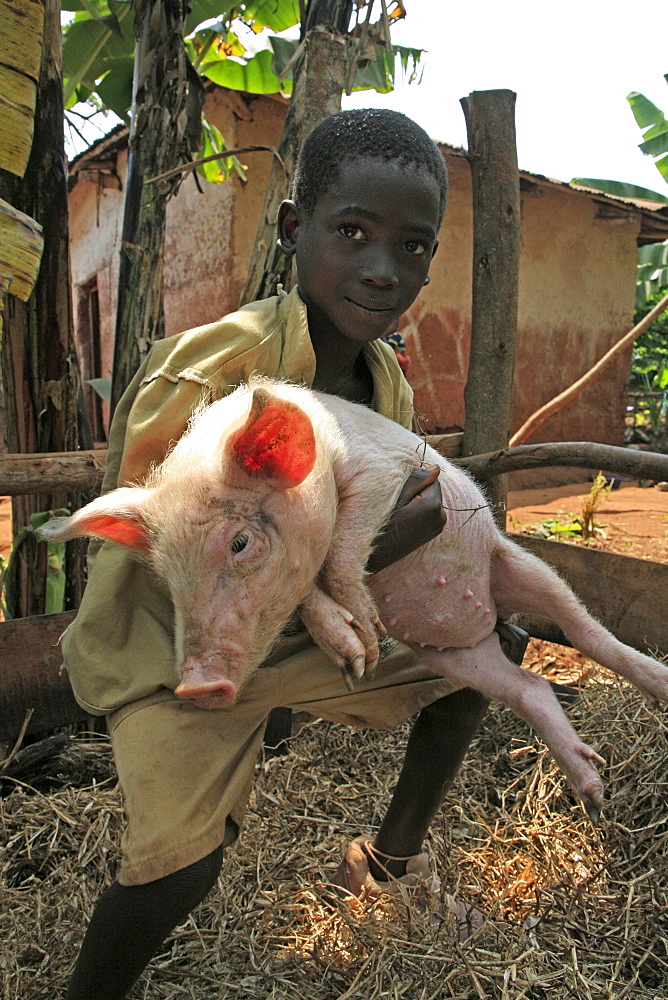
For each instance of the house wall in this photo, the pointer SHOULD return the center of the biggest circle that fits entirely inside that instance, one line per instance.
(577, 282)
(211, 228)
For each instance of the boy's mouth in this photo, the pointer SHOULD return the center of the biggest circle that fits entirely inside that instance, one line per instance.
(369, 307)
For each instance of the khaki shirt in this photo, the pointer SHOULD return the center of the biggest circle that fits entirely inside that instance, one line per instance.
(121, 646)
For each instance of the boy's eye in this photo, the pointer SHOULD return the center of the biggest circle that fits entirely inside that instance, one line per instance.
(352, 232)
(415, 247)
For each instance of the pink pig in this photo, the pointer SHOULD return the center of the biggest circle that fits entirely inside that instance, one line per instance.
(271, 502)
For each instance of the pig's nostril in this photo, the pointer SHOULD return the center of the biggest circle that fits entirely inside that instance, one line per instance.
(221, 691)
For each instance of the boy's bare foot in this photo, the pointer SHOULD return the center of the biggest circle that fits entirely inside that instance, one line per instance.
(419, 885)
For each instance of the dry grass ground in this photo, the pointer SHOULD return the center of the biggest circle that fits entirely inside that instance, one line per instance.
(574, 912)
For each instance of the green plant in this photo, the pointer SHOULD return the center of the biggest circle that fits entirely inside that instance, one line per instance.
(598, 494)
(653, 407)
(583, 525)
(99, 53)
(556, 528)
(55, 578)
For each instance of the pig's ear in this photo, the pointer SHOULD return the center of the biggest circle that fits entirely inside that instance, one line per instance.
(117, 516)
(277, 440)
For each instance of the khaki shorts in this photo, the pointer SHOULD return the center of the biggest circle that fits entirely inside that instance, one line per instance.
(186, 772)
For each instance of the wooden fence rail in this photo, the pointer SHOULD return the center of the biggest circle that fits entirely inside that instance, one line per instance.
(72, 471)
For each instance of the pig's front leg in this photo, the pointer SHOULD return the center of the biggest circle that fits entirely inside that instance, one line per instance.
(333, 628)
(486, 669)
(365, 501)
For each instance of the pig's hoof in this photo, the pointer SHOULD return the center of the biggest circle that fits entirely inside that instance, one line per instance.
(592, 800)
(357, 666)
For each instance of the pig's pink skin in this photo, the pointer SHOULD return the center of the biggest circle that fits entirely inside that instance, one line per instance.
(229, 606)
(445, 597)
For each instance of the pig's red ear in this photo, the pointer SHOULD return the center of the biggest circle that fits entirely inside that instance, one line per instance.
(126, 530)
(277, 440)
(116, 516)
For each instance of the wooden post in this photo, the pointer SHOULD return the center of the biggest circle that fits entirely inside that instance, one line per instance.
(490, 124)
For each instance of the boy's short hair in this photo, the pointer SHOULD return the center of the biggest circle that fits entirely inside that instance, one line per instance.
(375, 132)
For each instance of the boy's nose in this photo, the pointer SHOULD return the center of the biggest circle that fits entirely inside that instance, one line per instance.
(379, 268)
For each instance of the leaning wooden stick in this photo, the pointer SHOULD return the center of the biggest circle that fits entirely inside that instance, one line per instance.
(541, 415)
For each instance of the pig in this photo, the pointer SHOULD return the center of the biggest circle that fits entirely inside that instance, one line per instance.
(270, 503)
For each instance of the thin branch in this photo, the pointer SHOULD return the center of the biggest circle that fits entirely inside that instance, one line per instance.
(83, 138)
(187, 168)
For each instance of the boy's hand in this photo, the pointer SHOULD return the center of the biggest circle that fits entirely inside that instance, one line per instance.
(417, 518)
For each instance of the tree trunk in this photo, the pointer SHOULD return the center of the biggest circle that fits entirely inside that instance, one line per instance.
(40, 371)
(490, 125)
(318, 83)
(166, 126)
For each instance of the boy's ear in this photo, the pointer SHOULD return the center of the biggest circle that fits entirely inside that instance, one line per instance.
(288, 224)
(434, 248)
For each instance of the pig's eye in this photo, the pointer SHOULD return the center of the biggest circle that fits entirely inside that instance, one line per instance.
(240, 542)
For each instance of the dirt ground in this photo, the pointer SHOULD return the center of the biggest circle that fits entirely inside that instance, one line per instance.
(633, 520)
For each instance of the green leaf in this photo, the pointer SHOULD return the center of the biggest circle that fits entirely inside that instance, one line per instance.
(212, 142)
(205, 10)
(662, 166)
(56, 579)
(655, 254)
(283, 49)
(277, 15)
(652, 273)
(88, 44)
(54, 594)
(621, 189)
(655, 146)
(115, 87)
(90, 40)
(378, 75)
(255, 76)
(644, 112)
(102, 387)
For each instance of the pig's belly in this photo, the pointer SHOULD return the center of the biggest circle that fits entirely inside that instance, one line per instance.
(446, 605)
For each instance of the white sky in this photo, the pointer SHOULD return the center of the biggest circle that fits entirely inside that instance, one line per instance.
(571, 66)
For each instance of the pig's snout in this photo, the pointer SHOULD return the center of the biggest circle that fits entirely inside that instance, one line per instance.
(205, 686)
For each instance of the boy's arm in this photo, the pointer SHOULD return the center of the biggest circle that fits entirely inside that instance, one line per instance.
(418, 517)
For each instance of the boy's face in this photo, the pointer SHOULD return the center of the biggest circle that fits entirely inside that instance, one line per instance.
(364, 253)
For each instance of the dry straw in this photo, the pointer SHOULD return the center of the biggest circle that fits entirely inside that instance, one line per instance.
(574, 912)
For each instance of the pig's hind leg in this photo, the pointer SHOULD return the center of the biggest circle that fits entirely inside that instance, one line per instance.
(523, 583)
(486, 669)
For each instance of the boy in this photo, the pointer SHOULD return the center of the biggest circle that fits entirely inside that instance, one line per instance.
(369, 197)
